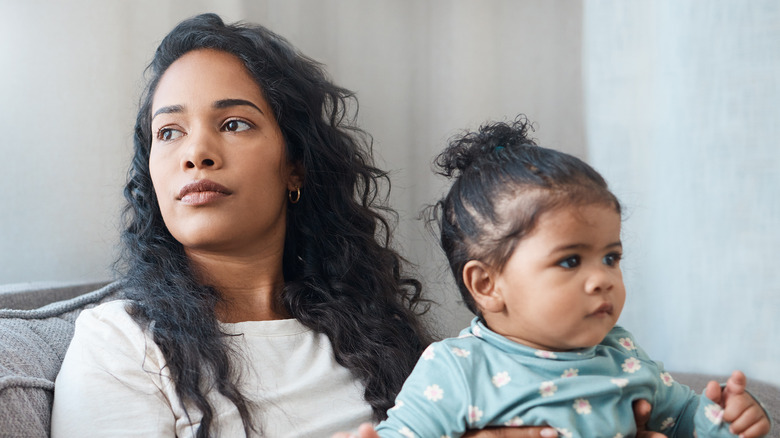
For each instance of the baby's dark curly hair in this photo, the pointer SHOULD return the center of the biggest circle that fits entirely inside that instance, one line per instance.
(503, 182)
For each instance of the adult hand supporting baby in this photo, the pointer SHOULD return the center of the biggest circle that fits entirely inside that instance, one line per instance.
(746, 416)
(367, 431)
(642, 410)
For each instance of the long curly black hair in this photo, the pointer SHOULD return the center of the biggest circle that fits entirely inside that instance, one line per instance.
(342, 278)
(503, 182)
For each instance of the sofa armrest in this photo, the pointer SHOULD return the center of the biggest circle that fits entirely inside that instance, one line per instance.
(33, 343)
(24, 296)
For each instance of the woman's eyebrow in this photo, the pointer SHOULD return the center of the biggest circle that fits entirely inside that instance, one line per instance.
(226, 103)
(220, 104)
(168, 110)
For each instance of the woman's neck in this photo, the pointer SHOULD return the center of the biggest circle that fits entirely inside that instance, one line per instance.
(250, 287)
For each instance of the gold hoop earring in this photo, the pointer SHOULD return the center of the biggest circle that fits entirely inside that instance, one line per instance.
(296, 198)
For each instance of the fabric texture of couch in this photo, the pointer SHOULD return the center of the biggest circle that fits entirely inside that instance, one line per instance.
(34, 337)
(36, 326)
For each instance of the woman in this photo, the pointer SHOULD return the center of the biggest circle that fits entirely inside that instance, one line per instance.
(262, 295)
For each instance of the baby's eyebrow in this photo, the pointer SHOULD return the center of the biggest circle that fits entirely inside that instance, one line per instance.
(570, 247)
(583, 246)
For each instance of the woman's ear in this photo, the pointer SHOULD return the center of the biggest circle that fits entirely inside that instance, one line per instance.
(295, 179)
(479, 278)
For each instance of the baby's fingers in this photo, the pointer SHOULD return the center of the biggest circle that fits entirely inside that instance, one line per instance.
(752, 422)
(737, 406)
(714, 393)
(736, 383)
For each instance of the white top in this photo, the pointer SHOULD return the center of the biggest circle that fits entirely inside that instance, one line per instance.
(114, 382)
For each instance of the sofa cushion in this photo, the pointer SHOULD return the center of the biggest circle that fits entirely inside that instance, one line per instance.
(32, 346)
(38, 294)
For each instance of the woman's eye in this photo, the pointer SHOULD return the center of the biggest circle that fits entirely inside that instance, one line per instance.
(612, 259)
(168, 134)
(570, 262)
(236, 126)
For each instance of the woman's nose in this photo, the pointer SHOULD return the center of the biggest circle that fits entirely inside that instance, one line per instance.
(193, 163)
(203, 152)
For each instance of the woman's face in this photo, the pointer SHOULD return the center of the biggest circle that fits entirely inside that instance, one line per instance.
(217, 159)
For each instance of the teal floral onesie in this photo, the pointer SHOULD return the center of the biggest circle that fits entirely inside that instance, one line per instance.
(482, 379)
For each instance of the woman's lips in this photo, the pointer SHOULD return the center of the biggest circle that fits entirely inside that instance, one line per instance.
(202, 192)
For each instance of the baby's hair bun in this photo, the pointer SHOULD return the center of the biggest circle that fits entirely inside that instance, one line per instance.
(471, 148)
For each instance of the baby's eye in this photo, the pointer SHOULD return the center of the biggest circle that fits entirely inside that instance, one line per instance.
(236, 126)
(570, 262)
(168, 134)
(612, 259)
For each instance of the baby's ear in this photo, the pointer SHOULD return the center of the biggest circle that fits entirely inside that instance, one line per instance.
(479, 278)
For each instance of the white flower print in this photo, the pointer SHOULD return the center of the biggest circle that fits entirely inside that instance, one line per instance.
(546, 354)
(398, 405)
(631, 365)
(669, 422)
(460, 352)
(434, 393)
(475, 414)
(667, 379)
(515, 421)
(571, 372)
(477, 331)
(406, 432)
(618, 435)
(714, 413)
(547, 389)
(564, 432)
(501, 379)
(627, 343)
(428, 354)
(621, 383)
(582, 406)
(465, 335)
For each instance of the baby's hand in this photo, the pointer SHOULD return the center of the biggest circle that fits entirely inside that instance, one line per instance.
(365, 431)
(746, 416)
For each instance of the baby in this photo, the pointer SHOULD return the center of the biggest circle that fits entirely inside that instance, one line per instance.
(533, 239)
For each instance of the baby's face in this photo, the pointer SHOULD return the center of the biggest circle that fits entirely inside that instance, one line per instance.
(562, 286)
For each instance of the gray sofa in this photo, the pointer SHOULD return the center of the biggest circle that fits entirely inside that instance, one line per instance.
(36, 325)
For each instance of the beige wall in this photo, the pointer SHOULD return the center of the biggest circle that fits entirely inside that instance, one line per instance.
(422, 71)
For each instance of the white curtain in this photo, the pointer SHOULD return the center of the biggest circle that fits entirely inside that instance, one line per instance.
(682, 117)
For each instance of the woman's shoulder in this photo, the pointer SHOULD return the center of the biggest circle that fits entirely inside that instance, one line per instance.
(110, 323)
(115, 312)
(118, 308)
